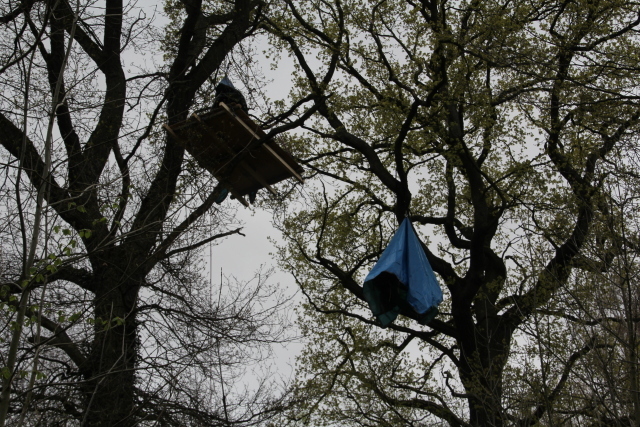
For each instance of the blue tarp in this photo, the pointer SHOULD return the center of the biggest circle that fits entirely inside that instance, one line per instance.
(403, 279)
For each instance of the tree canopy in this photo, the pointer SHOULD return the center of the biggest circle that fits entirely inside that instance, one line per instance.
(507, 132)
(108, 316)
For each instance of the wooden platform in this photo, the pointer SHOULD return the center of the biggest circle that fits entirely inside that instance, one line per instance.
(221, 142)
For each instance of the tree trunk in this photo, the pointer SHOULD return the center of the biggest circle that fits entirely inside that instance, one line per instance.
(110, 394)
(484, 345)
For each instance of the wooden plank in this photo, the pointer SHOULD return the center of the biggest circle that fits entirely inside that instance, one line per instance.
(213, 135)
(239, 197)
(269, 149)
(168, 129)
(226, 132)
(233, 192)
(293, 172)
(258, 178)
(242, 163)
(246, 126)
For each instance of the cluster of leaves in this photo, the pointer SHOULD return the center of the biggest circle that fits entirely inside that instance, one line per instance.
(507, 132)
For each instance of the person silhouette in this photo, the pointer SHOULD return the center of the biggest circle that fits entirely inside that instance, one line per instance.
(226, 92)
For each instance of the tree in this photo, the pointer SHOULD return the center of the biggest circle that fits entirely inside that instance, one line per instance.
(110, 318)
(496, 127)
(607, 314)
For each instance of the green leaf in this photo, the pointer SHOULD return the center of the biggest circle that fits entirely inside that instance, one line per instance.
(6, 373)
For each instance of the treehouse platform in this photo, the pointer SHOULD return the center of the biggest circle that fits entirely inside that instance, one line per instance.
(224, 141)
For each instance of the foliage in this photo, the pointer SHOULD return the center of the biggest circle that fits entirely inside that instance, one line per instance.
(106, 317)
(506, 131)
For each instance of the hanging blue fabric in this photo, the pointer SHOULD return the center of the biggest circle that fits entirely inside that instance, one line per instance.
(403, 279)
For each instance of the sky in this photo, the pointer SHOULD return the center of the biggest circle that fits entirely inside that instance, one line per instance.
(238, 256)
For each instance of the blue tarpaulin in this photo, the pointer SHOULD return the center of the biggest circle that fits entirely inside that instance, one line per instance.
(403, 279)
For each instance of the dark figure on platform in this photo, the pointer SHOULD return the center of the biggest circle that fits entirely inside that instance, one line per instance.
(227, 93)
